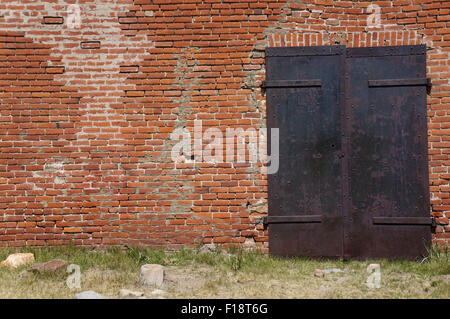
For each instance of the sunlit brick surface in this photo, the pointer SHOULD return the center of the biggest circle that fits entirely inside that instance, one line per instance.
(86, 111)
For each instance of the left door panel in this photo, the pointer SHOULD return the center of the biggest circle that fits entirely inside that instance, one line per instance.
(304, 101)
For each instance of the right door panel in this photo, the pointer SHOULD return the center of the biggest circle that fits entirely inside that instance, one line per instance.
(387, 129)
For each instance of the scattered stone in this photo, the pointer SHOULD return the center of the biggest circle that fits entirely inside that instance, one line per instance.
(125, 293)
(208, 247)
(89, 295)
(152, 275)
(53, 266)
(319, 273)
(332, 270)
(158, 292)
(16, 260)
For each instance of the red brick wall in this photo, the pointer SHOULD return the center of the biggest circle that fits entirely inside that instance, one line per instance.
(86, 112)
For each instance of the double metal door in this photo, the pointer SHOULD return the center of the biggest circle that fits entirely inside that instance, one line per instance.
(353, 168)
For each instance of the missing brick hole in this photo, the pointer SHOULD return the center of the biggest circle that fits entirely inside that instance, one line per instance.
(129, 68)
(55, 69)
(90, 44)
(53, 20)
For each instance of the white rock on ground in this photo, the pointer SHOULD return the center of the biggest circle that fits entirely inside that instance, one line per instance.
(90, 294)
(125, 293)
(158, 292)
(152, 275)
(16, 260)
(332, 270)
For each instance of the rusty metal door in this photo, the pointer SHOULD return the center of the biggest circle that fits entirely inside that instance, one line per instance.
(390, 208)
(305, 195)
(353, 170)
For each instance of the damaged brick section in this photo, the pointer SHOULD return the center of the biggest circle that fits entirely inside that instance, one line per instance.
(85, 122)
(38, 116)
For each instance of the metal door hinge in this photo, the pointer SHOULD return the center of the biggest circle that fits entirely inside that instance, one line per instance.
(433, 224)
(429, 86)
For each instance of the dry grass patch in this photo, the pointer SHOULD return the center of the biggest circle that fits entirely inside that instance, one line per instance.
(227, 274)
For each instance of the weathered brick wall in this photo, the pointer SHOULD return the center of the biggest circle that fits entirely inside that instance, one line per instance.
(86, 111)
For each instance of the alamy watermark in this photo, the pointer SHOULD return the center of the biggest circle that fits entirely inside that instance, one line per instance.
(374, 18)
(374, 279)
(73, 13)
(73, 16)
(74, 279)
(240, 146)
